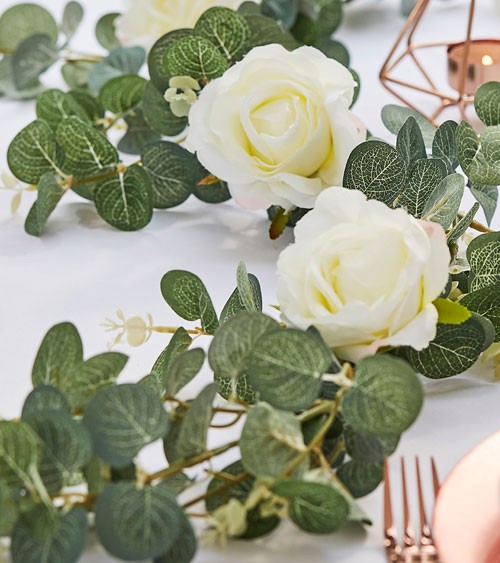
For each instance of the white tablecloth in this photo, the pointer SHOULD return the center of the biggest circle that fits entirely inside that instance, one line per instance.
(82, 270)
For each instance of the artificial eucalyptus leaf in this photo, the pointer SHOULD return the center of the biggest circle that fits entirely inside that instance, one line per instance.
(425, 177)
(235, 304)
(137, 523)
(485, 302)
(313, 507)
(65, 446)
(265, 30)
(386, 396)
(72, 17)
(86, 378)
(125, 201)
(25, 20)
(187, 295)
(139, 134)
(245, 289)
(410, 143)
(60, 350)
(45, 397)
(257, 525)
(454, 350)
(76, 73)
(19, 453)
(217, 192)
(330, 17)
(283, 11)
(122, 93)
(444, 145)
(462, 225)
(122, 419)
(376, 169)
(479, 157)
(87, 152)
(158, 114)
(49, 195)
(8, 86)
(184, 548)
(172, 171)
(105, 31)
(336, 50)
(487, 196)
(230, 349)
(226, 29)
(271, 442)
(443, 204)
(394, 117)
(361, 478)
(64, 545)
(487, 103)
(192, 437)
(33, 152)
(367, 447)
(285, 367)
(54, 105)
(122, 60)
(182, 369)
(196, 57)
(483, 255)
(157, 70)
(178, 344)
(33, 56)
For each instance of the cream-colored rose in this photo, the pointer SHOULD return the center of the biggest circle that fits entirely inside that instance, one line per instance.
(144, 21)
(277, 126)
(363, 274)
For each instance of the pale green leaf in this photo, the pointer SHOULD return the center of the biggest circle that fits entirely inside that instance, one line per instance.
(444, 203)
(479, 157)
(122, 60)
(235, 305)
(105, 31)
(245, 288)
(181, 370)
(395, 116)
(76, 74)
(461, 227)
(487, 103)
(487, 196)
(24, 20)
(72, 17)
(33, 56)
(178, 344)
(483, 254)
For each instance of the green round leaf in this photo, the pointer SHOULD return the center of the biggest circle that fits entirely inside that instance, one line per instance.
(45, 397)
(125, 201)
(72, 17)
(122, 93)
(54, 105)
(156, 64)
(33, 152)
(313, 507)
(19, 453)
(285, 367)
(395, 116)
(33, 56)
(283, 11)
(360, 478)
(226, 29)
(137, 523)
(123, 60)
(64, 545)
(235, 305)
(483, 254)
(49, 195)
(443, 204)
(158, 114)
(105, 31)
(485, 302)
(138, 134)
(122, 420)
(363, 446)
(444, 146)
(196, 57)
(76, 74)
(487, 103)
(184, 548)
(334, 50)
(24, 20)
(178, 344)
(330, 17)
(265, 30)
(487, 196)
(172, 171)
(181, 370)
(386, 397)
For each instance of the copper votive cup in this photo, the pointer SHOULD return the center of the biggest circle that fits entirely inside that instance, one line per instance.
(483, 64)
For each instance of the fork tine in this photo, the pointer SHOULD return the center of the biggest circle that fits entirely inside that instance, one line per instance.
(435, 478)
(392, 548)
(409, 538)
(425, 530)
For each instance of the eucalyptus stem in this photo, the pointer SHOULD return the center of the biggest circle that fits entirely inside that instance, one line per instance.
(477, 226)
(178, 466)
(117, 171)
(174, 329)
(218, 491)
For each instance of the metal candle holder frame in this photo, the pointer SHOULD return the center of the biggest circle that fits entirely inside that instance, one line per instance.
(389, 82)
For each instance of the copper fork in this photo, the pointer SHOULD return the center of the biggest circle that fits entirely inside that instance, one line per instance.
(411, 549)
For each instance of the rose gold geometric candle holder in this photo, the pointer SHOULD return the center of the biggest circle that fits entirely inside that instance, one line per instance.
(470, 63)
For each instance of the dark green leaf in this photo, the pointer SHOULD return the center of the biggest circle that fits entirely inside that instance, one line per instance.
(89, 104)
(19, 453)
(266, 31)
(172, 171)
(313, 507)
(367, 447)
(137, 523)
(125, 201)
(329, 18)
(386, 397)
(158, 114)
(122, 93)
(285, 367)
(60, 351)
(45, 397)
(105, 31)
(444, 202)
(24, 20)
(271, 441)
(360, 478)
(184, 548)
(444, 145)
(461, 227)
(64, 545)
(178, 344)
(123, 60)
(226, 29)
(486, 302)
(33, 152)
(479, 158)
(483, 254)
(283, 11)
(425, 177)
(454, 350)
(376, 169)
(49, 195)
(410, 143)
(139, 134)
(334, 50)
(54, 105)
(212, 193)
(487, 196)
(33, 56)
(186, 294)
(156, 65)
(122, 420)
(235, 305)
(487, 103)
(181, 370)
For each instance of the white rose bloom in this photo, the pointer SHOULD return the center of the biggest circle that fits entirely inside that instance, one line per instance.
(144, 21)
(363, 274)
(277, 126)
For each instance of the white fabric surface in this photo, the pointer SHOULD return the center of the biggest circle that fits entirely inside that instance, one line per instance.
(82, 270)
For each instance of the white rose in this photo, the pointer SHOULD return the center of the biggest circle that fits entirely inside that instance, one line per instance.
(144, 21)
(277, 126)
(363, 274)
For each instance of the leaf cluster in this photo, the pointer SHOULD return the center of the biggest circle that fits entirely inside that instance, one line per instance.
(305, 453)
